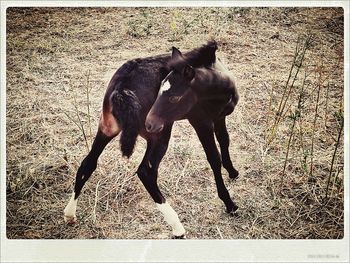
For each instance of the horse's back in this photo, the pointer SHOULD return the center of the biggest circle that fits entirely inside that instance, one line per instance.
(142, 76)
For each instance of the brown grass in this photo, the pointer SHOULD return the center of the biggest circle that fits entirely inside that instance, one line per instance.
(52, 53)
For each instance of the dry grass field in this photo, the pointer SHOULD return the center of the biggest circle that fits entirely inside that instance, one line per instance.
(286, 132)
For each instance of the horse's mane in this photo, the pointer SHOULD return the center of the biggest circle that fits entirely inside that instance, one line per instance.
(203, 56)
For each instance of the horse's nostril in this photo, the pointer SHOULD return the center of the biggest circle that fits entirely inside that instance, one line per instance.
(161, 128)
(149, 127)
(153, 124)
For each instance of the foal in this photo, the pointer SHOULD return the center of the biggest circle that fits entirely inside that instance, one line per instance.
(132, 91)
(204, 96)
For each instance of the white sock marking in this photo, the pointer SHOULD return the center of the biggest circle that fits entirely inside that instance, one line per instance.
(69, 211)
(171, 218)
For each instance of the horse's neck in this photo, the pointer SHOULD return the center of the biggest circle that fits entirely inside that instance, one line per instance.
(212, 81)
(211, 84)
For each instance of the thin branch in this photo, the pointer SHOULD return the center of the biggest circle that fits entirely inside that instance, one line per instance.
(341, 117)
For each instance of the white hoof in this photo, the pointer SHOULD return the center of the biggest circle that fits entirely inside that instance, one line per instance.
(70, 220)
(179, 237)
(179, 231)
(69, 211)
(172, 219)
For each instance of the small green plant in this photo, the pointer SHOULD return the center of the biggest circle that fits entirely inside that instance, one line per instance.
(180, 25)
(234, 11)
(294, 116)
(326, 106)
(314, 125)
(299, 55)
(140, 26)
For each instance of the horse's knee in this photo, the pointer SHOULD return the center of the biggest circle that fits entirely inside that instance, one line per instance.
(148, 176)
(223, 138)
(86, 167)
(142, 172)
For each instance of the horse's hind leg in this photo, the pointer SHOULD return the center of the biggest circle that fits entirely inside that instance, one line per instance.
(205, 132)
(107, 130)
(224, 141)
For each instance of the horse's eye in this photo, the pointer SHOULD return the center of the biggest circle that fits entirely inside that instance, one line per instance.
(175, 99)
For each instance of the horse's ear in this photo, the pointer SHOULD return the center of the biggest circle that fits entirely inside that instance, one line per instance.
(189, 72)
(176, 53)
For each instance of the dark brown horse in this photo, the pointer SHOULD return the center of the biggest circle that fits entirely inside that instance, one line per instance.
(144, 97)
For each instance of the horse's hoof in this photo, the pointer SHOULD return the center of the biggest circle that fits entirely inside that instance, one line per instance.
(179, 237)
(233, 211)
(70, 220)
(233, 175)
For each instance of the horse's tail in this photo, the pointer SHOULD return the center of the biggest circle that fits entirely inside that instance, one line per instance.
(126, 109)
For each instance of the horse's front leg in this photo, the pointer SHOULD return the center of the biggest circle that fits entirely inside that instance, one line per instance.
(157, 145)
(205, 132)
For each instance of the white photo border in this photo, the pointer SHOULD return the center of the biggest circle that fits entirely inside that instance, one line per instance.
(174, 250)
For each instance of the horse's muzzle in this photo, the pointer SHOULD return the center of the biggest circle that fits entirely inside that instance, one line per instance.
(154, 124)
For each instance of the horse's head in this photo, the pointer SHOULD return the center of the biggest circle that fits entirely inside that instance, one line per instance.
(175, 96)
